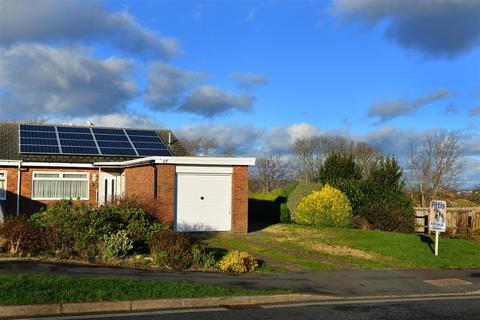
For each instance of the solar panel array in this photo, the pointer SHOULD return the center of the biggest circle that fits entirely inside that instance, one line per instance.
(91, 141)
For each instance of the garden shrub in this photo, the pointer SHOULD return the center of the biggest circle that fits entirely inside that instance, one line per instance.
(388, 217)
(285, 216)
(116, 245)
(3, 243)
(339, 166)
(301, 191)
(328, 207)
(202, 258)
(359, 222)
(20, 235)
(353, 189)
(172, 249)
(238, 262)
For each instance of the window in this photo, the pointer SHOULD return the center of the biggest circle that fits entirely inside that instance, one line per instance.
(60, 185)
(3, 185)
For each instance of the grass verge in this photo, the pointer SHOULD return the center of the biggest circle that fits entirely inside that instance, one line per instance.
(38, 289)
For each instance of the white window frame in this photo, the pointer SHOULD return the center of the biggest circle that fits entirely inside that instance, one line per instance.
(61, 177)
(5, 190)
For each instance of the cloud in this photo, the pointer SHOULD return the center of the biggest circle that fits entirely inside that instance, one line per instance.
(248, 80)
(390, 109)
(435, 28)
(475, 111)
(251, 15)
(451, 108)
(116, 120)
(243, 139)
(36, 21)
(167, 85)
(211, 101)
(38, 81)
(280, 140)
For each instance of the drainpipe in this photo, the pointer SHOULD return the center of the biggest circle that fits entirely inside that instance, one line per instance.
(19, 181)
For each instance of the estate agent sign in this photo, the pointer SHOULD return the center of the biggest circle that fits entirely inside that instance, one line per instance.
(438, 219)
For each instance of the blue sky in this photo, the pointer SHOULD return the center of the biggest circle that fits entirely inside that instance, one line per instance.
(255, 75)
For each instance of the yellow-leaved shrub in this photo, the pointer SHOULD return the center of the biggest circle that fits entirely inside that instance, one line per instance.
(328, 207)
(238, 261)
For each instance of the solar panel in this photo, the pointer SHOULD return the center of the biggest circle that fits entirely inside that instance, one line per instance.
(91, 141)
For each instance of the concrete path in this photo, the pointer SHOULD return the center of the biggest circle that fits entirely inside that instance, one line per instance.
(349, 283)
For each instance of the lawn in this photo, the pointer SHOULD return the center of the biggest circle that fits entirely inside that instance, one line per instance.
(299, 248)
(28, 289)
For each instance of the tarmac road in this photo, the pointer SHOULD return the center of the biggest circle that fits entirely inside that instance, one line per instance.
(431, 308)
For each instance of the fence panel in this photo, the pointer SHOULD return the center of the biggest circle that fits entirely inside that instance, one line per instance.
(458, 219)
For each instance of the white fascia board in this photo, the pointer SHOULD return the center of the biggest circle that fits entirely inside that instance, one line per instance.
(201, 161)
(46, 164)
(207, 161)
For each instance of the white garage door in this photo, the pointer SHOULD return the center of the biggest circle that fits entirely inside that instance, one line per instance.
(204, 199)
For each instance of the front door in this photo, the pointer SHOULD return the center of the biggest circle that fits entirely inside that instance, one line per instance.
(111, 187)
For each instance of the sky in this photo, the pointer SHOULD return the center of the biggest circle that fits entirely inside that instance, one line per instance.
(253, 75)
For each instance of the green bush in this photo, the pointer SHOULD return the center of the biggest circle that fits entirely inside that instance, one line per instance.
(339, 166)
(173, 249)
(328, 207)
(116, 245)
(238, 261)
(353, 189)
(285, 216)
(388, 207)
(202, 257)
(301, 191)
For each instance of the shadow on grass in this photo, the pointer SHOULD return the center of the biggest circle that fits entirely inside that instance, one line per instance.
(428, 241)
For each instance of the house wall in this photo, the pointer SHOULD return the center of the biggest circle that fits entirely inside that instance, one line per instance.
(139, 183)
(27, 205)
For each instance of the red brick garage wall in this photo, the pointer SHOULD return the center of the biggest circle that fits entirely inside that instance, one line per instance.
(240, 199)
(27, 205)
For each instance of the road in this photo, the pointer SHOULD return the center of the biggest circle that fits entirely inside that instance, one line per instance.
(431, 308)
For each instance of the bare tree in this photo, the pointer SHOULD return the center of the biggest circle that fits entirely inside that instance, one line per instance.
(311, 152)
(436, 167)
(271, 170)
(201, 147)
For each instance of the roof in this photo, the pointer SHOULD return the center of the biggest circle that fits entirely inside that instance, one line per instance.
(9, 149)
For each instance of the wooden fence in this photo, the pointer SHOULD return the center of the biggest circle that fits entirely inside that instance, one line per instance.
(458, 219)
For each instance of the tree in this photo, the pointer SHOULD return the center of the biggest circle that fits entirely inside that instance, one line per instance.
(339, 166)
(271, 170)
(201, 147)
(436, 166)
(311, 153)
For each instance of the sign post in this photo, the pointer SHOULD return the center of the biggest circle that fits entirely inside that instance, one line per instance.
(438, 219)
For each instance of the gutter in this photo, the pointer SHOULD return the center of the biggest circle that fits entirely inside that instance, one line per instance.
(219, 161)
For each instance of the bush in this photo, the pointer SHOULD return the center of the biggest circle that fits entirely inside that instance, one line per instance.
(339, 166)
(116, 245)
(202, 258)
(173, 249)
(388, 217)
(3, 243)
(238, 261)
(353, 189)
(20, 235)
(301, 191)
(285, 216)
(328, 207)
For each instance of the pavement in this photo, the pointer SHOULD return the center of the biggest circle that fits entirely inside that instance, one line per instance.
(421, 309)
(344, 283)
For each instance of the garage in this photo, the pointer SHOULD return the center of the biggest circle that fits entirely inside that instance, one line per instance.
(204, 198)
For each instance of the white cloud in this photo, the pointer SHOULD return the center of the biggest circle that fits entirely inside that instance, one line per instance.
(115, 120)
(167, 85)
(281, 140)
(25, 21)
(211, 101)
(39, 81)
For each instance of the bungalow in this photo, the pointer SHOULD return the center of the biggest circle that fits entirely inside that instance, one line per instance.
(40, 164)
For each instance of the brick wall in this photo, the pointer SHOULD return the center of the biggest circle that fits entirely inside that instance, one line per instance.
(240, 199)
(139, 182)
(27, 205)
(166, 193)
